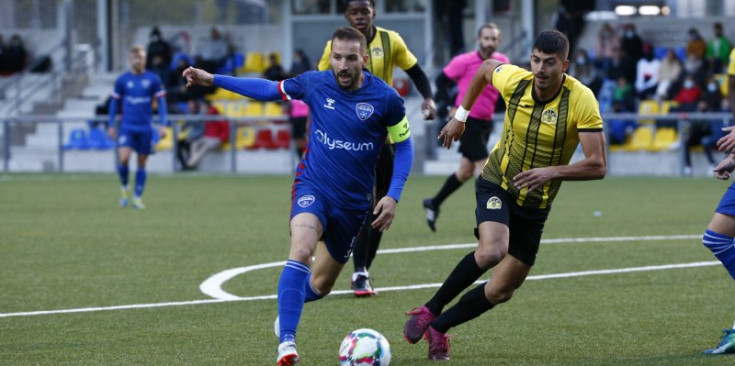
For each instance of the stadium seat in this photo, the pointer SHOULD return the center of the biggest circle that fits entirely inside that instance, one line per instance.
(263, 140)
(99, 139)
(78, 140)
(219, 106)
(254, 109)
(641, 140)
(273, 109)
(648, 107)
(245, 138)
(235, 109)
(664, 139)
(165, 143)
(254, 62)
(283, 139)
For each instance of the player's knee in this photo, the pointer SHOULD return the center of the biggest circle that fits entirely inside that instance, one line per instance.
(500, 295)
(490, 252)
(463, 174)
(322, 286)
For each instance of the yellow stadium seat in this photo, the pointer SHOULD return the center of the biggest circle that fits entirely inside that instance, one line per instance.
(220, 106)
(273, 109)
(664, 139)
(254, 109)
(235, 109)
(641, 139)
(167, 142)
(648, 107)
(666, 106)
(245, 137)
(254, 62)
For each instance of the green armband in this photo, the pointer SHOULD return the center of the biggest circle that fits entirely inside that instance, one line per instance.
(400, 131)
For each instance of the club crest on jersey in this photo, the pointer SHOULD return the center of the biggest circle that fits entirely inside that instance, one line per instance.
(364, 110)
(549, 116)
(494, 203)
(330, 103)
(306, 200)
(146, 83)
(130, 84)
(377, 52)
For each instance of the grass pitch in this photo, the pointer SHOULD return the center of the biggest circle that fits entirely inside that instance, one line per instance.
(66, 245)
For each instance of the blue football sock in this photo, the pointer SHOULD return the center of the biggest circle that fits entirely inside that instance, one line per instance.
(291, 298)
(310, 293)
(123, 171)
(722, 247)
(140, 177)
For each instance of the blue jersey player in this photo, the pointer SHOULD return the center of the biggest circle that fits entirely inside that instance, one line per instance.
(352, 114)
(135, 90)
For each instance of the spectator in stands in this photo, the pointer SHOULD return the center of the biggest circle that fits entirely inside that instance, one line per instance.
(216, 134)
(689, 95)
(621, 66)
(632, 43)
(4, 67)
(624, 95)
(705, 132)
(695, 66)
(647, 68)
(696, 43)
(190, 132)
(301, 63)
(274, 71)
(213, 53)
(620, 129)
(668, 74)
(160, 68)
(157, 46)
(718, 49)
(583, 70)
(607, 42)
(16, 54)
(570, 19)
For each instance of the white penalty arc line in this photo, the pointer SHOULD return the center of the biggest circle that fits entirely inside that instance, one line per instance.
(227, 274)
(213, 285)
(346, 292)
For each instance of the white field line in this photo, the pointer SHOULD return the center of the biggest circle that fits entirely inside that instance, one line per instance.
(228, 274)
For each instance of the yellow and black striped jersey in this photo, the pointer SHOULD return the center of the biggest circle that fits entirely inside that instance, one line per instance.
(387, 50)
(538, 134)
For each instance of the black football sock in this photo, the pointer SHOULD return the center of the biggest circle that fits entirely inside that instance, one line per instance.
(464, 274)
(374, 243)
(362, 243)
(469, 307)
(450, 185)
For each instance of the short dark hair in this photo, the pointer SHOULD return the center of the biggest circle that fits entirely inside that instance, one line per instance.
(350, 34)
(347, 3)
(487, 26)
(552, 42)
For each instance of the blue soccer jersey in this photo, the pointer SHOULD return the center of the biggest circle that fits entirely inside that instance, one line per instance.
(137, 93)
(347, 131)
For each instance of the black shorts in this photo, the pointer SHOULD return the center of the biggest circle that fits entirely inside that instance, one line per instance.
(384, 171)
(525, 224)
(298, 127)
(473, 143)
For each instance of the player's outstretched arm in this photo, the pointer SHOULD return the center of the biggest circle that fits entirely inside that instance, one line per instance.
(455, 128)
(198, 77)
(593, 166)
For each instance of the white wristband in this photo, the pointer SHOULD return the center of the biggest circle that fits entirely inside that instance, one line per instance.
(461, 114)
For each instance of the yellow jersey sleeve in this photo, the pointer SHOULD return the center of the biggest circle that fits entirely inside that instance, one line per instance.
(506, 77)
(587, 111)
(324, 61)
(731, 67)
(400, 131)
(403, 56)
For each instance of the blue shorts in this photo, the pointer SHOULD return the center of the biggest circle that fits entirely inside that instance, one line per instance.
(340, 226)
(727, 203)
(140, 141)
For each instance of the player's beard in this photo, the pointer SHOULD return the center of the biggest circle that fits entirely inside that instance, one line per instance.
(347, 74)
(487, 52)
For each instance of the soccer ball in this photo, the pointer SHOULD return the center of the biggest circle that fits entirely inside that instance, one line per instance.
(364, 347)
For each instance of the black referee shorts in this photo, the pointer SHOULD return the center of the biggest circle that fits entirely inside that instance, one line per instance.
(473, 143)
(526, 224)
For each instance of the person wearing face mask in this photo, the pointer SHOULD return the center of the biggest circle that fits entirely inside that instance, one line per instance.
(688, 95)
(646, 78)
(157, 47)
(718, 49)
(583, 70)
(632, 43)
